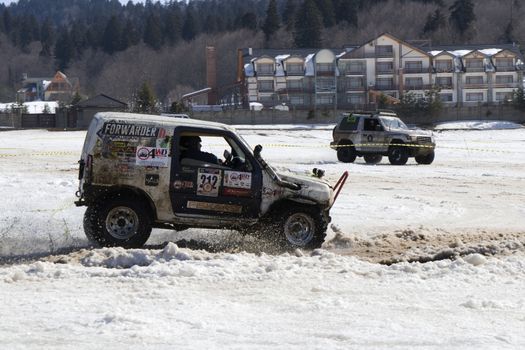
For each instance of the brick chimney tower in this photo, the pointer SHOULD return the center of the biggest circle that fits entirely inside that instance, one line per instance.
(211, 74)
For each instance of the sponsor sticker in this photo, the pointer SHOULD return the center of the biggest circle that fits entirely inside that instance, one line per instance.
(237, 179)
(152, 180)
(130, 130)
(182, 185)
(152, 156)
(208, 182)
(226, 208)
(236, 192)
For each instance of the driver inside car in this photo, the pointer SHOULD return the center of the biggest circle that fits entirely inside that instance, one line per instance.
(191, 149)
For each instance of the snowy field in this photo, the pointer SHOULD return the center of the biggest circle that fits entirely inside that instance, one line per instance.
(417, 256)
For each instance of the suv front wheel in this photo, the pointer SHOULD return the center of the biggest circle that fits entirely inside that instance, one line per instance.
(117, 222)
(425, 159)
(398, 155)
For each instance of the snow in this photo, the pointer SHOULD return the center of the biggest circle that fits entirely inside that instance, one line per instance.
(416, 256)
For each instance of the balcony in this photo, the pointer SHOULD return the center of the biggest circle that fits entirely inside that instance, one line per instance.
(417, 87)
(264, 73)
(355, 88)
(474, 69)
(444, 69)
(505, 69)
(290, 90)
(476, 86)
(506, 85)
(325, 73)
(416, 70)
(355, 72)
(294, 72)
(384, 71)
(385, 87)
(445, 86)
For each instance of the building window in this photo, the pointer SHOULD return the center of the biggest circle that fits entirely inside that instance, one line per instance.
(356, 83)
(385, 67)
(475, 80)
(265, 69)
(504, 63)
(324, 99)
(414, 83)
(443, 65)
(446, 97)
(474, 64)
(297, 100)
(295, 84)
(356, 99)
(413, 67)
(355, 67)
(324, 67)
(385, 83)
(294, 69)
(384, 51)
(504, 96)
(265, 85)
(444, 82)
(504, 79)
(325, 84)
(474, 97)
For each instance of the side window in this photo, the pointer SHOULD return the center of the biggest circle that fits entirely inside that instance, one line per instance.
(198, 149)
(372, 125)
(349, 122)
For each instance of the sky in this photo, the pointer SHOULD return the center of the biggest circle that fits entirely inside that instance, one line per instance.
(382, 280)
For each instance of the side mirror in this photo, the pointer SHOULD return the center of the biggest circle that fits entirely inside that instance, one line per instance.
(226, 154)
(257, 151)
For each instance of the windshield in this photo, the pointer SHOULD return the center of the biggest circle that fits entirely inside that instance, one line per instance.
(393, 123)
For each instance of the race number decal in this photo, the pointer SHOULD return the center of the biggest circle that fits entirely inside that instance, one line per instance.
(208, 182)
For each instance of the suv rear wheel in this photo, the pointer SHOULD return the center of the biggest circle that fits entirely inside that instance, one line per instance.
(117, 222)
(398, 155)
(346, 152)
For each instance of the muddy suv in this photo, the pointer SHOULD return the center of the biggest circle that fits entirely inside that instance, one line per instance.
(139, 172)
(374, 135)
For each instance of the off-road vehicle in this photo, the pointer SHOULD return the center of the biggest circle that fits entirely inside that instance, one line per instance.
(374, 135)
(134, 176)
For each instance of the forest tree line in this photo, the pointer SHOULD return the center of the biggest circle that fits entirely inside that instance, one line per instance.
(114, 48)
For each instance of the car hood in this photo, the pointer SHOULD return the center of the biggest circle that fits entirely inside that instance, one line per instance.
(312, 188)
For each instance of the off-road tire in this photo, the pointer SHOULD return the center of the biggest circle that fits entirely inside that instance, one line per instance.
(297, 226)
(372, 158)
(425, 159)
(121, 221)
(398, 155)
(346, 152)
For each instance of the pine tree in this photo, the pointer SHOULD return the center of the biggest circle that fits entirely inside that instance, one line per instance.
(145, 100)
(153, 33)
(346, 11)
(271, 23)
(111, 39)
(130, 35)
(434, 22)
(462, 15)
(289, 14)
(47, 37)
(189, 28)
(247, 21)
(308, 26)
(326, 7)
(172, 27)
(64, 50)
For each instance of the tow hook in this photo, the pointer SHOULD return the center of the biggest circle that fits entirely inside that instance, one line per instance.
(339, 186)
